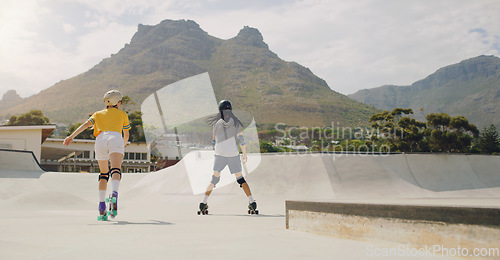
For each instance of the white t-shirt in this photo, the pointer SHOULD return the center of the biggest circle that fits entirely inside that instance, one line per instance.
(225, 138)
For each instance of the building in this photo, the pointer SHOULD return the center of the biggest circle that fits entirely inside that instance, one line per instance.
(79, 156)
(25, 138)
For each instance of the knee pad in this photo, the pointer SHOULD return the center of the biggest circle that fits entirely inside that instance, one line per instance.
(104, 176)
(215, 180)
(241, 181)
(116, 171)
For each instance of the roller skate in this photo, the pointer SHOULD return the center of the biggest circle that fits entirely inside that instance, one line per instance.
(203, 209)
(113, 204)
(102, 212)
(252, 208)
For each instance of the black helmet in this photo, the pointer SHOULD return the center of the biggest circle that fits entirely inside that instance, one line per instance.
(225, 105)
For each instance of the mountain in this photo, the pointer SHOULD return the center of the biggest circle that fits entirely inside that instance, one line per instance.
(470, 88)
(242, 69)
(10, 99)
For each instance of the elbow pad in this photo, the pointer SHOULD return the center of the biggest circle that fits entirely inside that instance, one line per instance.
(241, 139)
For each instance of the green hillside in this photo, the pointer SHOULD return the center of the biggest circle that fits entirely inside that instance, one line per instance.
(470, 88)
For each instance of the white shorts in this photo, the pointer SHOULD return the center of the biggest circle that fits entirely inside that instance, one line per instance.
(107, 143)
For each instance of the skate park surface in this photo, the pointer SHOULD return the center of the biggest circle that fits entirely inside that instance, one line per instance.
(53, 215)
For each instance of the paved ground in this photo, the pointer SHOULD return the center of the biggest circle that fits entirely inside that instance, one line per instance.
(53, 215)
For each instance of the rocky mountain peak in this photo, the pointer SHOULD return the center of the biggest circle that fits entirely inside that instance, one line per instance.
(242, 69)
(250, 37)
(154, 35)
(11, 96)
(9, 99)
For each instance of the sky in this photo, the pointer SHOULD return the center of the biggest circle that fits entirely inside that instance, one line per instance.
(353, 45)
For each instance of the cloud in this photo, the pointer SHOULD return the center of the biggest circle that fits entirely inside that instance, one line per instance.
(496, 44)
(68, 28)
(44, 45)
(482, 32)
(101, 43)
(490, 42)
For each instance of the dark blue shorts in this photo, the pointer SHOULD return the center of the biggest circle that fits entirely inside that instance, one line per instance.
(234, 163)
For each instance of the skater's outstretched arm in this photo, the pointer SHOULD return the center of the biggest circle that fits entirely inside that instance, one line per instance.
(241, 140)
(80, 129)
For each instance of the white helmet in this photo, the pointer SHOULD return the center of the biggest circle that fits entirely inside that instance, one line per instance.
(112, 97)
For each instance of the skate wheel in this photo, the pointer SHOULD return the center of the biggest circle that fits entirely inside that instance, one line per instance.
(249, 212)
(199, 212)
(257, 212)
(115, 212)
(206, 212)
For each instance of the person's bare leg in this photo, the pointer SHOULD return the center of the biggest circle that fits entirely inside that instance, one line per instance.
(116, 160)
(244, 186)
(103, 168)
(252, 205)
(210, 188)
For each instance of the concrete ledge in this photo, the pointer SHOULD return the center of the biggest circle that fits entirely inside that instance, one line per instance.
(444, 214)
(417, 226)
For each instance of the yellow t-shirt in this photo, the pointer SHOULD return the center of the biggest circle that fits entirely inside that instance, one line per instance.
(110, 119)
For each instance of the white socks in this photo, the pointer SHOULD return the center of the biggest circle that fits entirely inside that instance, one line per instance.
(205, 199)
(102, 195)
(115, 184)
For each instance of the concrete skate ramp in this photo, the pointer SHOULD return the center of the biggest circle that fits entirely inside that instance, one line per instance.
(277, 178)
(351, 176)
(487, 169)
(23, 163)
(282, 177)
(413, 175)
(51, 215)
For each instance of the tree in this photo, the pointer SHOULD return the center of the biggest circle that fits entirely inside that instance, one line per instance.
(489, 141)
(450, 134)
(34, 117)
(136, 131)
(268, 147)
(126, 100)
(412, 137)
(135, 118)
(402, 132)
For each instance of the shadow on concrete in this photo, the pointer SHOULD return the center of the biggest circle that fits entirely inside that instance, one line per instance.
(248, 215)
(123, 223)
